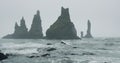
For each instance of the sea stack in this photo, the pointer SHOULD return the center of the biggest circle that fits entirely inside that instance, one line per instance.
(20, 31)
(63, 28)
(88, 35)
(36, 27)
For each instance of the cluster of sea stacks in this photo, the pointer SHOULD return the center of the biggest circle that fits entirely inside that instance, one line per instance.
(63, 28)
(22, 31)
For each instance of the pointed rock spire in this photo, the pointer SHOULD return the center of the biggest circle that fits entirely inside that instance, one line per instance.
(65, 14)
(38, 12)
(22, 22)
(16, 28)
(16, 25)
(88, 35)
(20, 31)
(36, 27)
(63, 28)
(23, 25)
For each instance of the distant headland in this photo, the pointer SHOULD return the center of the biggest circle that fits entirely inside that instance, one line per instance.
(63, 28)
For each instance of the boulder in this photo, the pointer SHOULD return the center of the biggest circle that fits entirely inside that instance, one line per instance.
(3, 56)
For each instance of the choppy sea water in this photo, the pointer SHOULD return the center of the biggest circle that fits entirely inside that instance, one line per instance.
(97, 50)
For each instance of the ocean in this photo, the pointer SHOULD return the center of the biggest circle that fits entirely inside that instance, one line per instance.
(97, 50)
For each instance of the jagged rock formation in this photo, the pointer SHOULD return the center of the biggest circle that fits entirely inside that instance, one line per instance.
(63, 28)
(36, 28)
(20, 31)
(88, 35)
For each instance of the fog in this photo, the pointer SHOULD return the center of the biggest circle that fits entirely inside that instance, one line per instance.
(103, 14)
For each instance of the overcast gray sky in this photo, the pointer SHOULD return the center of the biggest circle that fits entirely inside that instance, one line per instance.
(103, 14)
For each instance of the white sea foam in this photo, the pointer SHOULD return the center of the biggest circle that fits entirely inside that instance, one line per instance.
(104, 50)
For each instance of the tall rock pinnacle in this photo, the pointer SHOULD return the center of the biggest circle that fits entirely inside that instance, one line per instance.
(16, 29)
(63, 28)
(88, 35)
(23, 27)
(36, 28)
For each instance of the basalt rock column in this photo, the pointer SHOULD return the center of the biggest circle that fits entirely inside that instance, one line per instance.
(63, 28)
(36, 27)
(88, 35)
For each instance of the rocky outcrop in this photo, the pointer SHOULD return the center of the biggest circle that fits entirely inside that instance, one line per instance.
(88, 35)
(36, 28)
(20, 31)
(3, 56)
(63, 28)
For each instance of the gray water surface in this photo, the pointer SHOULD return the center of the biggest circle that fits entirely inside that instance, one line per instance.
(98, 50)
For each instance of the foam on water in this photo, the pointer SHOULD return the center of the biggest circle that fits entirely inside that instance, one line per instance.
(104, 49)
